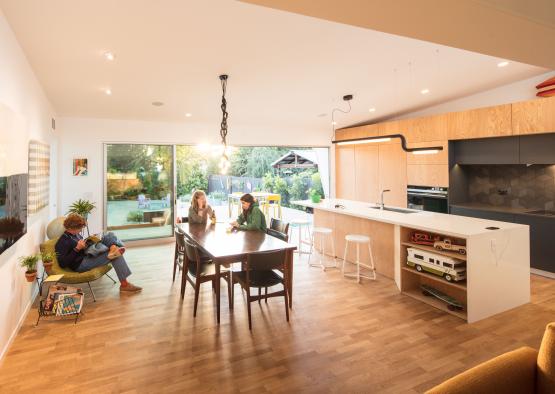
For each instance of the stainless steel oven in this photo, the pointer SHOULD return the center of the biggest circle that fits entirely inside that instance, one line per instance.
(426, 198)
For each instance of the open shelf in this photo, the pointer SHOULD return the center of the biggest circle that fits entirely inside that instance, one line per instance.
(434, 250)
(430, 300)
(459, 285)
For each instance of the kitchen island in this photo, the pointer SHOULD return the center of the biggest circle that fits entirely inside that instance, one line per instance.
(497, 253)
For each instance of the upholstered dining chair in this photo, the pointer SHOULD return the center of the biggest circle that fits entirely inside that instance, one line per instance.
(259, 272)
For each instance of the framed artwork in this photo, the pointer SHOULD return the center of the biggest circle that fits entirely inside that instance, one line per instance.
(80, 167)
(39, 176)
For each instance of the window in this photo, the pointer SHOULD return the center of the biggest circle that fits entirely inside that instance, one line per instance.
(431, 260)
(448, 265)
(419, 257)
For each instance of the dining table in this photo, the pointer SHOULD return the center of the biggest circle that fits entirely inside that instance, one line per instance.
(226, 246)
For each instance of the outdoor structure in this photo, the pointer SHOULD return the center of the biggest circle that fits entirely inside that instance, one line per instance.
(316, 158)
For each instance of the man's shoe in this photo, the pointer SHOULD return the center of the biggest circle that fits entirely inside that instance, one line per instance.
(131, 288)
(114, 252)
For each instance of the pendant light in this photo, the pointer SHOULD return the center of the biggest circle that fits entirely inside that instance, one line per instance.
(224, 160)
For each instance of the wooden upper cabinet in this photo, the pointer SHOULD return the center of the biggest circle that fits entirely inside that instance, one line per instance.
(479, 123)
(429, 128)
(534, 116)
(393, 174)
(357, 132)
(345, 172)
(366, 173)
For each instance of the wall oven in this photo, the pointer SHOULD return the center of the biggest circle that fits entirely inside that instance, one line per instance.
(426, 198)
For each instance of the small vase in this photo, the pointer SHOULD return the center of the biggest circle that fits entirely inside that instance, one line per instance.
(31, 275)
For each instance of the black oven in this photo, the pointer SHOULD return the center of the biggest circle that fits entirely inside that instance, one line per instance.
(427, 198)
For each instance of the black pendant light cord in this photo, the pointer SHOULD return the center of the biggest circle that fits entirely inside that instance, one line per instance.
(346, 98)
(223, 126)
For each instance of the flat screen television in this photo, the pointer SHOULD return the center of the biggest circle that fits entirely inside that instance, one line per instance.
(13, 209)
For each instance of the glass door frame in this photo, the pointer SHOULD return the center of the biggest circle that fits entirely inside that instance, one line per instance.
(172, 186)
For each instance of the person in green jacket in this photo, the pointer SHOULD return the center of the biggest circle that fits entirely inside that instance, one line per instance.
(252, 217)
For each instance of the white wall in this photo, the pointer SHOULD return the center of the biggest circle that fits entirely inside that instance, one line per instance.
(26, 115)
(84, 138)
(511, 93)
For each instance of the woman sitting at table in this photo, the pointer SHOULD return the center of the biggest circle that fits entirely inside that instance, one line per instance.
(252, 217)
(200, 210)
(70, 250)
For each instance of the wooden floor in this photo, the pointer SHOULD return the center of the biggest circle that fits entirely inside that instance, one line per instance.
(342, 337)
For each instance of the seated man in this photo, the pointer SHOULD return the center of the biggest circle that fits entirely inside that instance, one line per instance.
(70, 250)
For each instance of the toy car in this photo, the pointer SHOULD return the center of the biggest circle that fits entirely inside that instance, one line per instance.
(448, 245)
(423, 238)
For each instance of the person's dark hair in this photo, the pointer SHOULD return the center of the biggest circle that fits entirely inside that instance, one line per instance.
(74, 221)
(250, 199)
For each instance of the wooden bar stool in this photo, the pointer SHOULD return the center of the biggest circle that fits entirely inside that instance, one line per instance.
(325, 235)
(300, 223)
(358, 240)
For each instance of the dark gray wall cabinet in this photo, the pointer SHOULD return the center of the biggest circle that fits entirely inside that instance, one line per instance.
(487, 151)
(537, 149)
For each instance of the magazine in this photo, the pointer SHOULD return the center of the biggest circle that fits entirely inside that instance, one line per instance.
(68, 304)
(55, 291)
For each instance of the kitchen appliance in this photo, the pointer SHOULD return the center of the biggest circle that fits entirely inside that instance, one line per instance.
(427, 198)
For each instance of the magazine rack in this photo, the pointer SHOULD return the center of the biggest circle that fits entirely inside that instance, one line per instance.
(63, 301)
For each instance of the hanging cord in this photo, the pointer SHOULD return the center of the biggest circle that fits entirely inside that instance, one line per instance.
(348, 99)
(223, 126)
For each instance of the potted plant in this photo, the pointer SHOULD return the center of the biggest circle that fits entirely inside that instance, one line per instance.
(30, 263)
(314, 195)
(82, 208)
(47, 258)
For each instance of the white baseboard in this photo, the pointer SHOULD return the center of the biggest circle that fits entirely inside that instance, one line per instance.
(547, 274)
(19, 324)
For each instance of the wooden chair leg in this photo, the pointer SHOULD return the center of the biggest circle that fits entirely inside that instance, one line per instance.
(249, 307)
(197, 292)
(266, 295)
(230, 291)
(259, 292)
(174, 262)
(286, 301)
(183, 282)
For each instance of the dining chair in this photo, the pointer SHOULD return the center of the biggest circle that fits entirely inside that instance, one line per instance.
(279, 229)
(259, 272)
(197, 270)
(273, 202)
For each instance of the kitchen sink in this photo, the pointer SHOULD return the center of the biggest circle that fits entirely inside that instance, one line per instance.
(398, 210)
(542, 212)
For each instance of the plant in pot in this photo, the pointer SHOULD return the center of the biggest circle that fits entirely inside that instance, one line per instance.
(47, 258)
(314, 195)
(82, 208)
(30, 263)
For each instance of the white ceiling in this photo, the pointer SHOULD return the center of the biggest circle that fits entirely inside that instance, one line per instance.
(285, 69)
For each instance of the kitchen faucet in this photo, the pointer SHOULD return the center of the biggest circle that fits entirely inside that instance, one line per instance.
(381, 202)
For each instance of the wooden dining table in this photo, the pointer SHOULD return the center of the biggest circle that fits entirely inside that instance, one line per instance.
(227, 247)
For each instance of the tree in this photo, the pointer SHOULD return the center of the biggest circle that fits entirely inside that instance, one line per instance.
(260, 160)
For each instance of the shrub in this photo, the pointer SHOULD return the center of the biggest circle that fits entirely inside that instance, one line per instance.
(218, 196)
(280, 187)
(135, 216)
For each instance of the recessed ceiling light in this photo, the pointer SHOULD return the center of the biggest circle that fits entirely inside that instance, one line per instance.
(372, 110)
(503, 64)
(109, 56)
(425, 91)
(334, 123)
(157, 103)
(108, 91)
(188, 115)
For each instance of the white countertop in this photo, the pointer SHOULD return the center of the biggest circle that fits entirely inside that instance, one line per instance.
(457, 226)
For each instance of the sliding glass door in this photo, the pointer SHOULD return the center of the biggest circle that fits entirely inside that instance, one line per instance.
(139, 185)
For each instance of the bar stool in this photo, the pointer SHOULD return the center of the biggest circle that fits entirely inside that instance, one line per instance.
(325, 234)
(300, 223)
(359, 240)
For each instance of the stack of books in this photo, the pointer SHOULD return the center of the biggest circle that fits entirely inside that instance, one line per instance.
(63, 300)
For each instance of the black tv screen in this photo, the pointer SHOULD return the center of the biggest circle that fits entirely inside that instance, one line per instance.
(13, 209)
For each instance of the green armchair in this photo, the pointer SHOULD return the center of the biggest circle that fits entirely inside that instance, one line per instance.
(72, 277)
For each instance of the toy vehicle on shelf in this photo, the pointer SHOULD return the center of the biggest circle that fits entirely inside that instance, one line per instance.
(448, 245)
(453, 270)
(423, 238)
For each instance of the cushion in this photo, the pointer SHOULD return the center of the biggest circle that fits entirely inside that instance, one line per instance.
(511, 373)
(259, 278)
(546, 362)
(72, 277)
